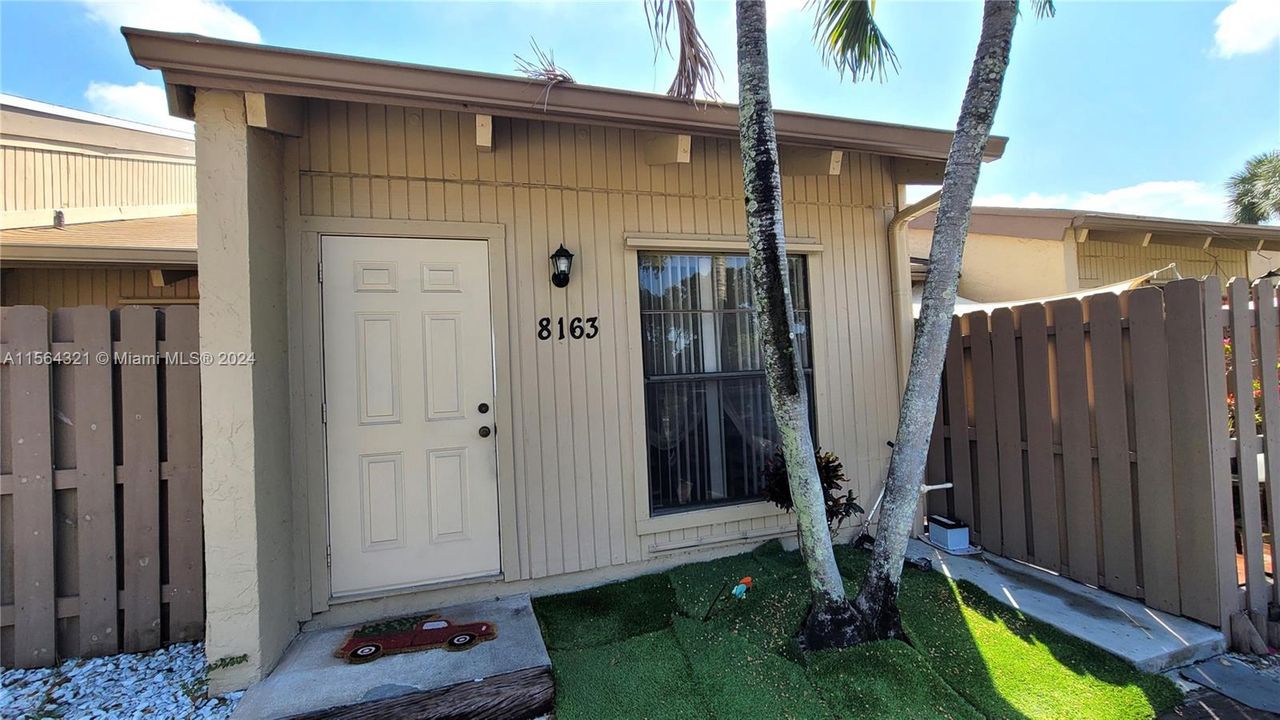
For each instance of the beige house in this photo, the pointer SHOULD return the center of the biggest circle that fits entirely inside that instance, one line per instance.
(1017, 253)
(95, 210)
(431, 413)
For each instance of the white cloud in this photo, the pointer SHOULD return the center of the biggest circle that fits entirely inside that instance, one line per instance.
(204, 17)
(1247, 26)
(1182, 199)
(139, 102)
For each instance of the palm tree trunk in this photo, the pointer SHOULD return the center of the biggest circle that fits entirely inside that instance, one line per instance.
(829, 612)
(877, 602)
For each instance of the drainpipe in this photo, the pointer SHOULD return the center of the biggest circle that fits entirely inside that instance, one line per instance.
(900, 274)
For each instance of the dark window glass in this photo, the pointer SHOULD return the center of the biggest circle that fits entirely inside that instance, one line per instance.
(710, 429)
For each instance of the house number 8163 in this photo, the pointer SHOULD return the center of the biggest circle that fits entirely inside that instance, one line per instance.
(575, 328)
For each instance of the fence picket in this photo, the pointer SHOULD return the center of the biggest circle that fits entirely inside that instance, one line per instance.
(1149, 353)
(1077, 453)
(1264, 300)
(182, 442)
(1115, 479)
(1042, 481)
(1192, 451)
(987, 480)
(140, 472)
(958, 423)
(25, 331)
(95, 482)
(1241, 384)
(1004, 366)
(1219, 477)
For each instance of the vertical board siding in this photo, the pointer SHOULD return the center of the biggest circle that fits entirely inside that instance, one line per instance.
(1103, 263)
(577, 451)
(96, 581)
(39, 179)
(1129, 396)
(55, 288)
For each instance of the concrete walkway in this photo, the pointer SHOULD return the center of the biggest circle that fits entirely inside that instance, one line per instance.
(1149, 639)
(311, 682)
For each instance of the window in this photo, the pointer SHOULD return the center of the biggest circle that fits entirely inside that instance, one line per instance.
(710, 429)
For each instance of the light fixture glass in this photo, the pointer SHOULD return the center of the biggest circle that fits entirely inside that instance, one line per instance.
(561, 264)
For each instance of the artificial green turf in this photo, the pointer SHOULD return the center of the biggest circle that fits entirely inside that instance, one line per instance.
(607, 613)
(645, 676)
(887, 680)
(613, 647)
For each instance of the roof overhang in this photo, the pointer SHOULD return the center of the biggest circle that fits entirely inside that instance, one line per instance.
(194, 61)
(1141, 230)
(42, 253)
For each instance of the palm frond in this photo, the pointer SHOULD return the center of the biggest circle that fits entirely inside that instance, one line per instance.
(1254, 192)
(1044, 8)
(696, 68)
(542, 68)
(849, 38)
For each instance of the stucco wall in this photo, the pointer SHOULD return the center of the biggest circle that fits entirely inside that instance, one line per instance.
(997, 267)
(245, 421)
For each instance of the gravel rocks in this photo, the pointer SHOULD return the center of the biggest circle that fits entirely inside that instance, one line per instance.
(166, 683)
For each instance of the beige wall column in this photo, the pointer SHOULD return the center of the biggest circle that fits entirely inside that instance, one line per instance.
(245, 408)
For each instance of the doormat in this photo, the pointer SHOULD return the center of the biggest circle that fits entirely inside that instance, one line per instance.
(412, 634)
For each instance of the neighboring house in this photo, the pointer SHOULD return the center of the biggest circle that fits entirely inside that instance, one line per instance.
(1018, 254)
(430, 415)
(96, 210)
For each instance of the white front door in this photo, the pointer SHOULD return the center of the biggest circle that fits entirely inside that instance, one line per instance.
(408, 357)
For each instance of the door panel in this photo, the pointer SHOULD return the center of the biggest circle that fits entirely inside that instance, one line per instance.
(408, 361)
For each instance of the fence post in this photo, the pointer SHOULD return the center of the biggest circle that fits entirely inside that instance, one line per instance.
(1264, 301)
(1220, 452)
(958, 423)
(182, 432)
(26, 331)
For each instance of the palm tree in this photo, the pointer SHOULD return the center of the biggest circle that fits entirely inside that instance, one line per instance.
(1255, 190)
(849, 39)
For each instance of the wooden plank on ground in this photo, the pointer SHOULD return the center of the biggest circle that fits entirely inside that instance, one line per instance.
(1191, 452)
(140, 475)
(958, 421)
(1115, 476)
(25, 330)
(987, 481)
(1241, 384)
(1004, 366)
(1081, 551)
(1042, 481)
(95, 482)
(182, 442)
(1264, 299)
(1149, 358)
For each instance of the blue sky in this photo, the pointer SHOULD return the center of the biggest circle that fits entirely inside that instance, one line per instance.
(1143, 107)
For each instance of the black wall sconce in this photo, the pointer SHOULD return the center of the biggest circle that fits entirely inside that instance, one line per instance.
(561, 264)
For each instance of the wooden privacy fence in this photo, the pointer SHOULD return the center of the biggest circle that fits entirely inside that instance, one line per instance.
(100, 505)
(1092, 438)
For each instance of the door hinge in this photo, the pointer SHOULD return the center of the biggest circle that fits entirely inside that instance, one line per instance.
(324, 413)
(320, 272)
(328, 556)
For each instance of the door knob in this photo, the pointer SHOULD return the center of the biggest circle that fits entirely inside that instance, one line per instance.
(483, 408)
(485, 431)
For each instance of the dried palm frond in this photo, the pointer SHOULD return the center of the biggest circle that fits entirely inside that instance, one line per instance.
(847, 34)
(696, 68)
(542, 68)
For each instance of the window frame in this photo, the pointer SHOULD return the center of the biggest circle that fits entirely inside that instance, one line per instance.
(648, 523)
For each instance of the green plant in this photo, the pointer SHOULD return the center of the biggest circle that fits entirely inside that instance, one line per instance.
(840, 506)
(197, 691)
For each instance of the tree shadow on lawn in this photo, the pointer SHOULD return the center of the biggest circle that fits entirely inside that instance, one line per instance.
(640, 649)
(1009, 665)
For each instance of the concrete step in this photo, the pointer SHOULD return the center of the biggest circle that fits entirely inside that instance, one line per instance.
(507, 676)
(1149, 639)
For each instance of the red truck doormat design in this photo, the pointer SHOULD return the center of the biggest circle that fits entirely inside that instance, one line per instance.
(411, 634)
